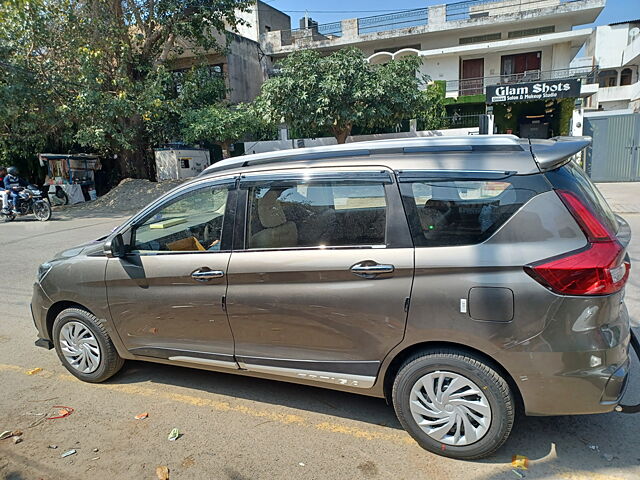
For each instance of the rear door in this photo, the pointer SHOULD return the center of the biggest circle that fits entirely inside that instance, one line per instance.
(320, 277)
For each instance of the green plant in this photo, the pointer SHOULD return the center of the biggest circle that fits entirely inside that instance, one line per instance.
(314, 93)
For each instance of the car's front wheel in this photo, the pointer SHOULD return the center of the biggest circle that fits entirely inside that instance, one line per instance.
(453, 404)
(84, 346)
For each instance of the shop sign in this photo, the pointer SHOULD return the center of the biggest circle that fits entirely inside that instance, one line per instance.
(529, 92)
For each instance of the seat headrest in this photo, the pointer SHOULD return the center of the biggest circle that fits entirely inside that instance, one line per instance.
(270, 212)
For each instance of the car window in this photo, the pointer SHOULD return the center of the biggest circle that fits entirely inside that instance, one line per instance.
(572, 178)
(191, 223)
(460, 212)
(324, 214)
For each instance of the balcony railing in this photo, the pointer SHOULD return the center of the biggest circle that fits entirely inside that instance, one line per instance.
(333, 29)
(484, 8)
(393, 21)
(475, 86)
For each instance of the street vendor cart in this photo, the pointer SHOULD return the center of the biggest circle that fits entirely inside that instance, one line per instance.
(74, 173)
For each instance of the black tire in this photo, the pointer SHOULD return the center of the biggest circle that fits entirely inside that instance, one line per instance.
(42, 210)
(492, 384)
(110, 361)
(62, 195)
(9, 218)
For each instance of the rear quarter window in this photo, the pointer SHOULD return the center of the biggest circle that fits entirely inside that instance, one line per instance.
(570, 177)
(455, 212)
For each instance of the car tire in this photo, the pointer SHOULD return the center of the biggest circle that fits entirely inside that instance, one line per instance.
(84, 346)
(479, 410)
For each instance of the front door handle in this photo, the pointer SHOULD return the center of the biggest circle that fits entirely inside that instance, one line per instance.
(371, 269)
(203, 275)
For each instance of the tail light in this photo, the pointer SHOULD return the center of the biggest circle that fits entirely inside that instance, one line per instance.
(598, 269)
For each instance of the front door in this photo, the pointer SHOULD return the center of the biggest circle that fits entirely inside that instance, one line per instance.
(472, 81)
(319, 288)
(166, 296)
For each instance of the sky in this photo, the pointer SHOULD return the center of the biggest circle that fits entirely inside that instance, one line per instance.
(325, 11)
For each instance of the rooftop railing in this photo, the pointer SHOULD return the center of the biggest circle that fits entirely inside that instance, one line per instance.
(333, 29)
(419, 17)
(393, 21)
(475, 86)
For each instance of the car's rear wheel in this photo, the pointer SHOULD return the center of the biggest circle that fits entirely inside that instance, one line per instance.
(453, 404)
(84, 346)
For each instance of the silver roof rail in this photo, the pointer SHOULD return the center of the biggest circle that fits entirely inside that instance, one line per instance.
(550, 154)
(496, 143)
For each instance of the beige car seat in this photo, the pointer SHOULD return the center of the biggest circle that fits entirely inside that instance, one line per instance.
(277, 231)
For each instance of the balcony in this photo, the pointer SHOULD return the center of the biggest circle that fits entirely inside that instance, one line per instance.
(476, 86)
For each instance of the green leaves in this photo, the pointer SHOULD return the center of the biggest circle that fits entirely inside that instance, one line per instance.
(94, 74)
(313, 93)
(222, 123)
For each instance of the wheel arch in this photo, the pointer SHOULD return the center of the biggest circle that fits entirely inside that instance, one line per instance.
(398, 360)
(55, 310)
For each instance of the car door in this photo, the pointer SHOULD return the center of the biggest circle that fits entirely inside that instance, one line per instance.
(321, 274)
(167, 295)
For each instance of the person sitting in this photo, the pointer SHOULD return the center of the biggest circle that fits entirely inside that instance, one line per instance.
(14, 184)
(4, 194)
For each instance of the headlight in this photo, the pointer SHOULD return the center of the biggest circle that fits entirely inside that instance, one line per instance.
(43, 270)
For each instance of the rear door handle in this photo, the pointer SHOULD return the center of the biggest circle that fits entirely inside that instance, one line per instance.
(203, 275)
(370, 269)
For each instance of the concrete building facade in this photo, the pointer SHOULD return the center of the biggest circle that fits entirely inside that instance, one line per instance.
(469, 46)
(243, 64)
(615, 49)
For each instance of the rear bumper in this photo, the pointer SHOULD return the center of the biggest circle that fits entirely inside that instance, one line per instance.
(574, 391)
(635, 344)
(575, 367)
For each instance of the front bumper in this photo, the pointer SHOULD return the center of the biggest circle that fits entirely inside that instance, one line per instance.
(39, 306)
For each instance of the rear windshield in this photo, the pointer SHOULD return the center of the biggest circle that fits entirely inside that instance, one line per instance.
(572, 178)
(463, 211)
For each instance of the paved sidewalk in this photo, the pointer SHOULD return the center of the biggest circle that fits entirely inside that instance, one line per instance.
(623, 197)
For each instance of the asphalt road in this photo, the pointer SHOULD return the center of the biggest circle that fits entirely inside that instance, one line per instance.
(242, 428)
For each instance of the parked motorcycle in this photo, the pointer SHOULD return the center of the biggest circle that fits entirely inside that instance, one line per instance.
(31, 201)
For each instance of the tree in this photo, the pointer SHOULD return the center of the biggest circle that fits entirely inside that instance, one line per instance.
(224, 124)
(312, 92)
(103, 67)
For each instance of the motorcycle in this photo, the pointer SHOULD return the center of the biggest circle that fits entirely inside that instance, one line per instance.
(31, 201)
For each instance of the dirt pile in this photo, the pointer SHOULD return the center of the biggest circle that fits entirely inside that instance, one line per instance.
(131, 195)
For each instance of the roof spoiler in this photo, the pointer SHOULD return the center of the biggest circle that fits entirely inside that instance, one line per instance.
(550, 154)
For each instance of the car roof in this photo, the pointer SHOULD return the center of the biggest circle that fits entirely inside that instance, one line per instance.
(473, 152)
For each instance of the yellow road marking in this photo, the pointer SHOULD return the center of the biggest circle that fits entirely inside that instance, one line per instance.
(223, 406)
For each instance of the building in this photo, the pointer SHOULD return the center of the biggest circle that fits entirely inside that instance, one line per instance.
(472, 46)
(615, 49)
(243, 65)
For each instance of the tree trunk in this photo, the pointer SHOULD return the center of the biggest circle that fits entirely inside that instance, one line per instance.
(226, 152)
(132, 164)
(341, 133)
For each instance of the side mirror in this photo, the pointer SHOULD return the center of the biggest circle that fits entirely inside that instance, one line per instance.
(115, 247)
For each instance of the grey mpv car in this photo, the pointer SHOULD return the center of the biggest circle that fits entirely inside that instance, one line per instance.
(458, 278)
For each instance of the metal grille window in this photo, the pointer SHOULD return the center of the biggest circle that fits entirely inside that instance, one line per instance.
(529, 32)
(481, 38)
